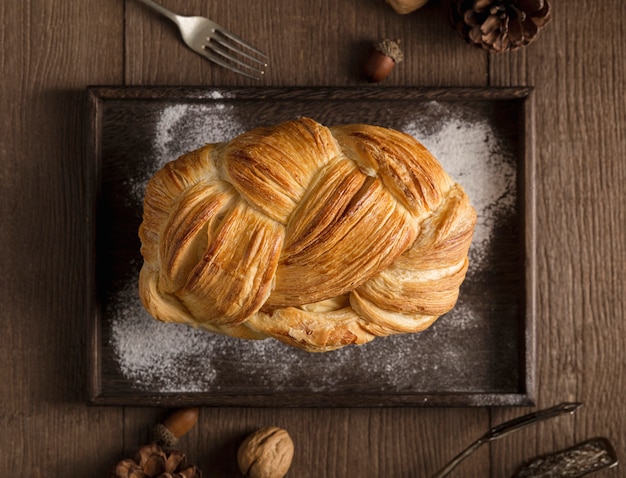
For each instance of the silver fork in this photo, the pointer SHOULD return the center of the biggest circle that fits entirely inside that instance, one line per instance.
(216, 44)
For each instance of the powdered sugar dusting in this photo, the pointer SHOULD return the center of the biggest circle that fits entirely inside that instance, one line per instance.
(152, 353)
(473, 155)
(182, 128)
(173, 358)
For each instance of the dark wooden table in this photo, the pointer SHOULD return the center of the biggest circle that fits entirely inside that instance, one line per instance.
(50, 50)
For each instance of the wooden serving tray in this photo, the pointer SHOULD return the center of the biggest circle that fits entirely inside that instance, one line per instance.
(480, 354)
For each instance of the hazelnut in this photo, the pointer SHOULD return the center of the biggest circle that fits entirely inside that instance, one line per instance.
(382, 59)
(406, 6)
(266, 453)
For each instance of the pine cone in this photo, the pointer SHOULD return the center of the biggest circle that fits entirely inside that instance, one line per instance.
(151, 461)
(499, 25)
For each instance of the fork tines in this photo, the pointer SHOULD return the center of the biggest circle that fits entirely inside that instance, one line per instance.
(230, 51)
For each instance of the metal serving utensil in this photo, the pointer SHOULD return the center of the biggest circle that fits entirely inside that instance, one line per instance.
(579, 460)
(216, 43)
(507, 428)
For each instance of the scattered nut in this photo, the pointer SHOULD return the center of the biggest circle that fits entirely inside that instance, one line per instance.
(382, 59)
(266, 453)
(175, 426)
(406, 6)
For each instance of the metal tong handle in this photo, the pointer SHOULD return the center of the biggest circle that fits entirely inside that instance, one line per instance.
(506, 428)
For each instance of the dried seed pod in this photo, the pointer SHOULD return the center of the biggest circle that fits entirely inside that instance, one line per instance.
(499, 25)
(175, 426)
(152, 461)
(382, 59)
(266, 453)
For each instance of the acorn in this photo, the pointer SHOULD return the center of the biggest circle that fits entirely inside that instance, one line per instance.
(175, 425)
(382, 59)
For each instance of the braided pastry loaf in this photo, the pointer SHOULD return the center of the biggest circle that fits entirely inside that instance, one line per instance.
(319, 237)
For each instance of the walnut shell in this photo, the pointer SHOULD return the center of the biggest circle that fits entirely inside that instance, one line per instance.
(266, 453)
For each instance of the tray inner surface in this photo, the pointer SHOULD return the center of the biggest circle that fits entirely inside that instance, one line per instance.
(478, 354)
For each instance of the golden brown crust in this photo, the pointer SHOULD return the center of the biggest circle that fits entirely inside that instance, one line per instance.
(319, 237)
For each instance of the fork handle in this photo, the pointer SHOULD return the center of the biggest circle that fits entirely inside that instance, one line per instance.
(162, 10)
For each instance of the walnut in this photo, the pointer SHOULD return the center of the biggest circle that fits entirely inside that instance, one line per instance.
(266, 453)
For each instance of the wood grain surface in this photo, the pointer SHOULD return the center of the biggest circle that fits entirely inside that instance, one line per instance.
(50, 50)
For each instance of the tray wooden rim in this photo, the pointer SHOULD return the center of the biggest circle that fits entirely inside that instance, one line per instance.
(96, 95)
